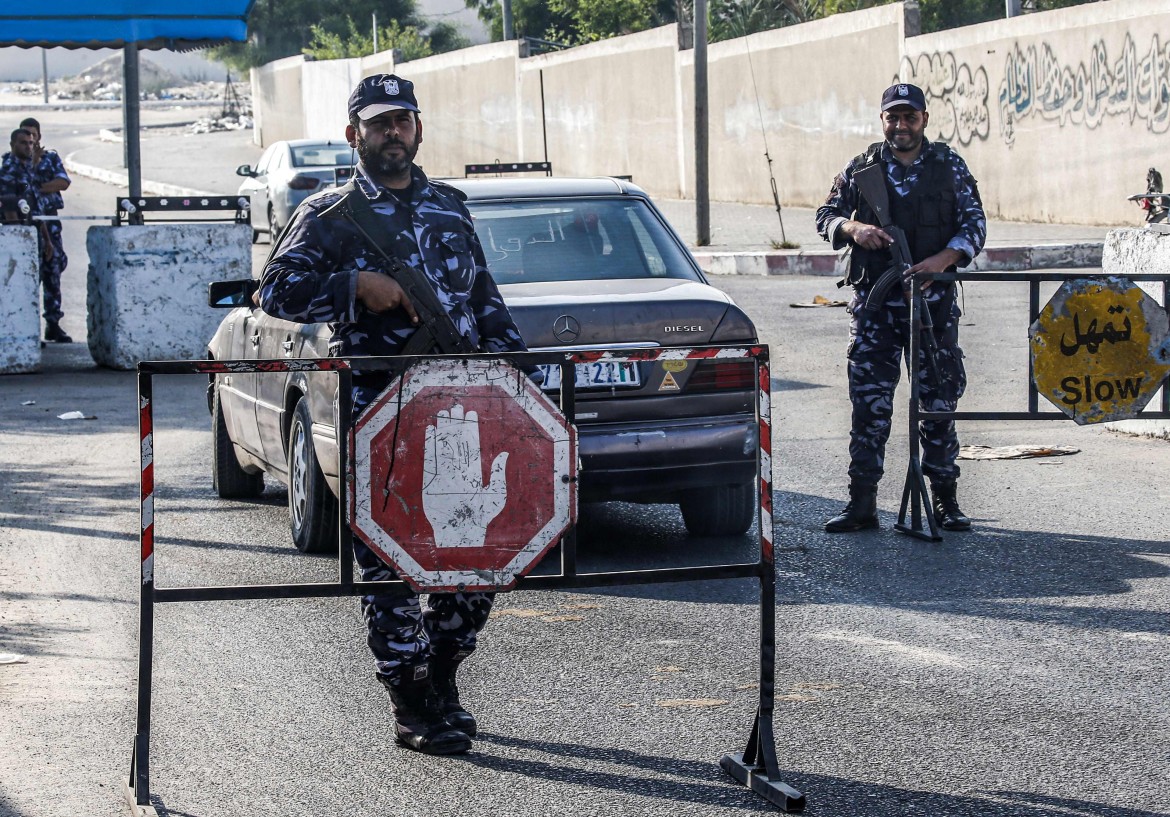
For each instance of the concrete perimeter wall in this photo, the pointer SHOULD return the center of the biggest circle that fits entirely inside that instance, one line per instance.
(277, 101)
(1059, 114)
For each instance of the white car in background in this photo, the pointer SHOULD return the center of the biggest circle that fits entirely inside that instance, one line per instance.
(289, 172)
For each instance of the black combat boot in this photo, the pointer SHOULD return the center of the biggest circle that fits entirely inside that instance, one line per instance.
(418, 723)
(859, 514)
(55, 333)
(444, 664)
(946, 506)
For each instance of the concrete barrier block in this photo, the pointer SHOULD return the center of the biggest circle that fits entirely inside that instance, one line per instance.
(147, 288)
(1128, 251)
(20, 308)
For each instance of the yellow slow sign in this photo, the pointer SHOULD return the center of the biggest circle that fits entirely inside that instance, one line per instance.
(1099, 349)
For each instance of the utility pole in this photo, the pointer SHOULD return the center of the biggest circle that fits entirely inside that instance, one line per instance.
(375, 16)
(45, 72)
(1013, 8)
(702, 195)
(506, 7)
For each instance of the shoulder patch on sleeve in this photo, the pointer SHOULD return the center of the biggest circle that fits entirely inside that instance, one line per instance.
(448, 189)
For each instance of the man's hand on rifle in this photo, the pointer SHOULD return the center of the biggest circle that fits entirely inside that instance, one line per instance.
(867, 235)
(939, 262)
(381, 293)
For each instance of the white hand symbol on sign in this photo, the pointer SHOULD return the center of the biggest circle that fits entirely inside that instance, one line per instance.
(456, 502)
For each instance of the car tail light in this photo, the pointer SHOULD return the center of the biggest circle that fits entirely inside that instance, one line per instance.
(302, 182)
(721, 375)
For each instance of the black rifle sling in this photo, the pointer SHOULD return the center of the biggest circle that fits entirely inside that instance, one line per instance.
(436, 329)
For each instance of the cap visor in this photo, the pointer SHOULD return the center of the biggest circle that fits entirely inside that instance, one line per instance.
(370, 111)
(897, 103)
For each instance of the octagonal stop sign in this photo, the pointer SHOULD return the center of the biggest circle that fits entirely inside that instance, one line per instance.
(1099, 349)
(464, 475)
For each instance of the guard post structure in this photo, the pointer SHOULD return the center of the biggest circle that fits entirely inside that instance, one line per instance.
(756, 767)
(1110, 401)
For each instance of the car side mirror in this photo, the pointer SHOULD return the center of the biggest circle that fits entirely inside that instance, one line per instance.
(246, 170)
(230, 294)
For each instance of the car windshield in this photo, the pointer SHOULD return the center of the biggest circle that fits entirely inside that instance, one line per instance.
(323, 155)
(586, 239)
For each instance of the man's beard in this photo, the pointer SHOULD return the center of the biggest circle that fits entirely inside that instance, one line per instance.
(382, 165)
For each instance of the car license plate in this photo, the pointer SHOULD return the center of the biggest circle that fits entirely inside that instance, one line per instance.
(596, 375)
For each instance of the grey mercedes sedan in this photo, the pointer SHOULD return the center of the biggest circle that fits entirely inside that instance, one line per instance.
(582, 264)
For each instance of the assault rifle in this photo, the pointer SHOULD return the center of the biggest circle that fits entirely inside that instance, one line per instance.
(435, 329)
(871, 183)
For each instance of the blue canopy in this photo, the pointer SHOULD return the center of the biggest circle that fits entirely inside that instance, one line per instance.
(172, 24)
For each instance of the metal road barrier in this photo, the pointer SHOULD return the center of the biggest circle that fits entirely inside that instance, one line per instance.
(755, 767)
(498, 168)
(1103, 349)
(189, 208)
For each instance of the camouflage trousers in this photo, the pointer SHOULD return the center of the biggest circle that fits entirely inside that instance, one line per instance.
(51, 270)
(877, 339)
(402, 634)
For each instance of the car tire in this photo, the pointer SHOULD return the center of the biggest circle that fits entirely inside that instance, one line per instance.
(719, 510)
(228, 477)
(312, 507)
(273, 227)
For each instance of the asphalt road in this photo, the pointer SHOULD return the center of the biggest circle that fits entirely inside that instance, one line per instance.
(1020, 669)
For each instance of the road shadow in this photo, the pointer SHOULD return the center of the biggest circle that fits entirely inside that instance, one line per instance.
(694, 784)
(991, 571)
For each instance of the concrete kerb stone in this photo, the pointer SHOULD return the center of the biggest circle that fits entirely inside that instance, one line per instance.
(827, 262)
(120, 179)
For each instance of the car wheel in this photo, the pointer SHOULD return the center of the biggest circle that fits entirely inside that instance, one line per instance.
(273, 227)
(312, 507)
(720, 510)
(228, 477)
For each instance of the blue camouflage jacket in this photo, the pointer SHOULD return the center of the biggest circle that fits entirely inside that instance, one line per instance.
(311, 276)
(843, 198)
(17, 177)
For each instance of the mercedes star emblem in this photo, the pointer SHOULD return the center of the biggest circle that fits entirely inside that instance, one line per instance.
(566, 329)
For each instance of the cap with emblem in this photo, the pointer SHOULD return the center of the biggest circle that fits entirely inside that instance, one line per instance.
(904, 94)
(380, 93)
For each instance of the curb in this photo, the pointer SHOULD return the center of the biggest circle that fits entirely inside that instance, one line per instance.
(827, 262)
(120, 179)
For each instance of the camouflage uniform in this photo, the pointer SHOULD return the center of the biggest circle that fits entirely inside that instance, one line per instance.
(311, 277)
(877, 338)
(20, 177)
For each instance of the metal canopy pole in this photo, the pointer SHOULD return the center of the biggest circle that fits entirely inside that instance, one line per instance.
(132, 153)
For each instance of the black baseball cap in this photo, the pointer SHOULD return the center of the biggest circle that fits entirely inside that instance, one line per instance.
(904, 94)
(381, 93)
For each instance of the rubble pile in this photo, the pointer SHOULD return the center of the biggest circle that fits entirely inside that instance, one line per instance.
(221, 123)
(102, 82)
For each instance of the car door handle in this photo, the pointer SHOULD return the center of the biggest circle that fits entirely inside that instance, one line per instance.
(255, 339)
(287, 346)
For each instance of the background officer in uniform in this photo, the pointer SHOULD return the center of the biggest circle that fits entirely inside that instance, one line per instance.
(323, 270)
(52, 180)
(935, 201)
(29, 168)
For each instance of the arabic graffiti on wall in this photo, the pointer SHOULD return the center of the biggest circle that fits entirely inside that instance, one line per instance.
(956, 96)
(1037, 84)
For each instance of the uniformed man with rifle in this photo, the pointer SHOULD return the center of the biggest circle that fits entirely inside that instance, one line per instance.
(392, 262)
(922, 214)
